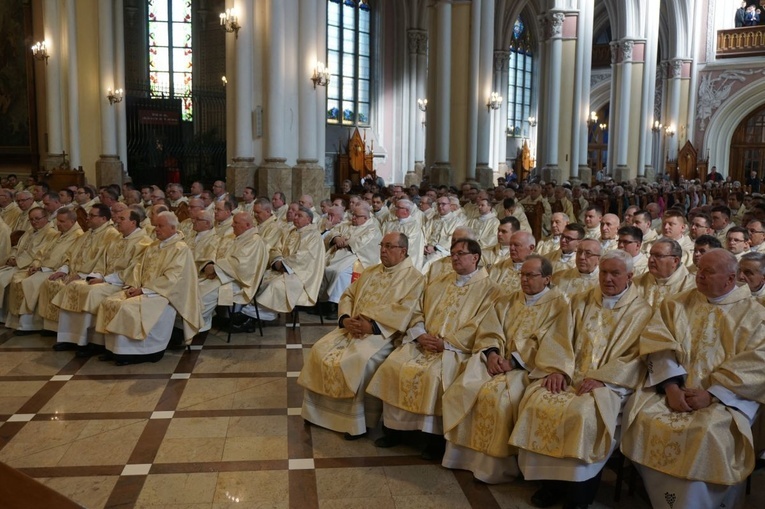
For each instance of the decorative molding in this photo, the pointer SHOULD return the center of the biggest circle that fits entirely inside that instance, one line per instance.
(658, 97)
(595, 79)
(711, 36)
(614, 52)
(716, 88)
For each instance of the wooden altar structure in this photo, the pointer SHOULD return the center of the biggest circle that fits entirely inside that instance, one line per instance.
(357, 162)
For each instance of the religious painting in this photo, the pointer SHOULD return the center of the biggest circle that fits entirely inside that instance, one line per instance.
(15, 132)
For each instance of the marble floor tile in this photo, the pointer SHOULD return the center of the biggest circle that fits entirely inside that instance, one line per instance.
(190, 450)
(106, 442)
(106, 396)
(275, 336)
(32, 363)
(178, 490)
(166, 365)
(242, 361)
(14, 394)
(255, 448)
(228, 393)
(310, 335)
(343, 483)
(41, 443)
(358, 503)
(91, 492)
(251, 490)
(421, 480)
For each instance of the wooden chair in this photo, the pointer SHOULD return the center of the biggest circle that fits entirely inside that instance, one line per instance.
(535, 213)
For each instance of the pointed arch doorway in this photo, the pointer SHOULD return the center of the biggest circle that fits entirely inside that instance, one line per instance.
(747, 151)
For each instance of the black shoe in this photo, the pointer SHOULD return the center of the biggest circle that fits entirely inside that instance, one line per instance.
(545, 497)
(25, 332)
(48, 333)
(571, 505)
(122, 363)
(64, 347)
(391, 438)
(84, 352)
(349, 437)
(248, 325)
(106, 357)
(435, 449)
(331, 313)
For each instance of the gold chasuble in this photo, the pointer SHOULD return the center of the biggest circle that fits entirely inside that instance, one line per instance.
(303, 253)
(273, 233)
(205, 246)
(604, 348)
(718, 345)
(654, 291)
(5, 241)
(25, 289)
(507, 274)
(414, 379)
(480, 409)
(571, 282)
(88, 257)
(166, 268)
(388, 295)
(81, 297)
(32, 245)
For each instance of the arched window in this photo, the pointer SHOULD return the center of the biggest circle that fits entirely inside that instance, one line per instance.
(520, 69)
(170, 51)
(349, 56)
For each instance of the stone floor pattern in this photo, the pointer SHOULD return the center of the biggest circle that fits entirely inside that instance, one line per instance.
(216, 427)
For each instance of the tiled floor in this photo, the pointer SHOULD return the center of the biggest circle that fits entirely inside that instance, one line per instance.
(216, 427)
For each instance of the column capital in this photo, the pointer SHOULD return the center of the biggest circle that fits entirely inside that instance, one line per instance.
(501, 58)
(614, 46)
(675, 68)
(418, 41)
(553, 24)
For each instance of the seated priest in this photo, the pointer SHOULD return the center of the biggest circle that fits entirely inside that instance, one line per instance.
(89, 257)
(294, 276)
(25, 285)
(78, 301)
(357, 242)
(233, 276)
(375, 311)
(480, 407)
(688, 430)
(412, 380)
(137, 323)
(32, 244)
(569, 420)
(666, 276)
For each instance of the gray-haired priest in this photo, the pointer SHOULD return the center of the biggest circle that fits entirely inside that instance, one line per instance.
(138, 322)
(374, 312)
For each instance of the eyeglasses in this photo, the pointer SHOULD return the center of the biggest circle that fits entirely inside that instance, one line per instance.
(587, 254)
(530, 275)
(460, 253)
(660, 256)
(390, 246)
(752, 232)
(568, 239)
(626, 242)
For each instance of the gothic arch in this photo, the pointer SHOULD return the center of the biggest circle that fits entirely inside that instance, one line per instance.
(719, 133)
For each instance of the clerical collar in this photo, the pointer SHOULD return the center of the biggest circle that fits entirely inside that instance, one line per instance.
(610, 301)
(486, 216)
(532, 299)
(718, 300)
(517, 266)
(406, 220)
(168, 240)
(591, 275)
(463, 280)
(504, 249)
(204, 233)
(567, 256)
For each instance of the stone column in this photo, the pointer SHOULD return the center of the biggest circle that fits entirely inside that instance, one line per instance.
(119, 79)
(441, 171)
(645, 165)
(422, 78)
(417, 39)
(580, 171)
(499, 122)
(551, 170)
(274, 174)
(623, 134)
(475, 90)
(483, 172)
(55, 127)
(240, 173)
(673, 105)
(109, 169)
(74, 88)
(307, 175)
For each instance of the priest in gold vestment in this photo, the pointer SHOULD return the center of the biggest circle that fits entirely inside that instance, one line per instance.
(32, 244)
(89, 257)
(666, 276)
(78, 302)
(585, 275)
(138, 322)
(25, 285)
(689, 429)
(412, 380)
(374, 311)
(569, 421)
(506, 273)
(480, 407)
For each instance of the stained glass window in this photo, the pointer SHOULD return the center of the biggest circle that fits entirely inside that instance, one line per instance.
(520, 69)
(170, 54)
(349, 60)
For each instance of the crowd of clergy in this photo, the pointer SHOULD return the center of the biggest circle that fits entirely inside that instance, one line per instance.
(639, 330)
